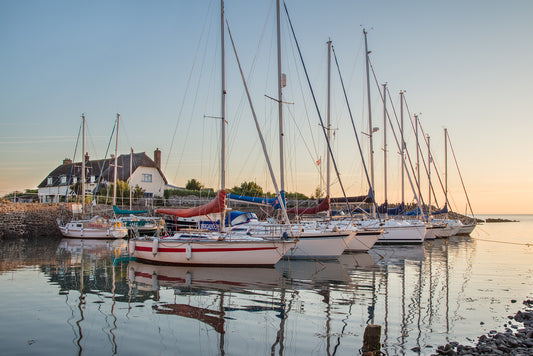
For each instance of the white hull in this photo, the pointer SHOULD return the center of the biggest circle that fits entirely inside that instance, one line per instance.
(210, 252)
(452, 228)
(466, 229)
(321, 245)
(364, 240)
(398, 232)
(73, 230)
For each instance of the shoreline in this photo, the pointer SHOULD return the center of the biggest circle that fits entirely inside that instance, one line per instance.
(517, 339)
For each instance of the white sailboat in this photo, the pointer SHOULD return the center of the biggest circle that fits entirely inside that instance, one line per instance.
(97, 227)
(221, 248)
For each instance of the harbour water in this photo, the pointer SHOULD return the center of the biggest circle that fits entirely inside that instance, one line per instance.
(73, 297)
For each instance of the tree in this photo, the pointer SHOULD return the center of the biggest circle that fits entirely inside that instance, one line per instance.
(248, 188)
(318, 193)
(193, 184)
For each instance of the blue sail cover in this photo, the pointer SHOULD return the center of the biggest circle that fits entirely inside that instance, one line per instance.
(413, 212)
(441, 211)
(399, 210)
(273, 202)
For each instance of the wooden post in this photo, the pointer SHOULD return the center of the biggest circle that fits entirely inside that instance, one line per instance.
(372, 340)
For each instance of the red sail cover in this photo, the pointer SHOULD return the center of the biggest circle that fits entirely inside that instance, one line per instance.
(323, 206)
(214, 206)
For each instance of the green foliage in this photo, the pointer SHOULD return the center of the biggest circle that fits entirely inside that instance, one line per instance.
(248, 188)
(194, 184)
(318, 193)
(296, 196)
(208, 192)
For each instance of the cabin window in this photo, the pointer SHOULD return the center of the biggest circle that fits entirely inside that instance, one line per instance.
(50, 181)
(146, 178)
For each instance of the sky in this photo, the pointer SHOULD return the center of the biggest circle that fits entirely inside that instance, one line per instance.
(463, 65)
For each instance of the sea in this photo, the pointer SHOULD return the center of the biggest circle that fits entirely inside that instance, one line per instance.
(87, 297)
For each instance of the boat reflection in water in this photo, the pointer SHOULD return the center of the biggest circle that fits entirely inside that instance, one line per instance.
(92, 299)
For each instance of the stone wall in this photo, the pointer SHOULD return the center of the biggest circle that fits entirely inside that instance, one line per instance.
(30, 220)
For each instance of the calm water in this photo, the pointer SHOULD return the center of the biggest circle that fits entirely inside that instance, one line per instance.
(64, 297)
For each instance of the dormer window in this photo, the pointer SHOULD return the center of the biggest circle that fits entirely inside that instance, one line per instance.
(50, 181)
(93, 179)
(63, 180)
(74, 180)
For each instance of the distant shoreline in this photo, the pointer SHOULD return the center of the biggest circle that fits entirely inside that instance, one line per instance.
(499, 220)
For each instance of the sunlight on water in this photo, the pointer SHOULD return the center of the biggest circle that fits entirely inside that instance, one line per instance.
(86, 297)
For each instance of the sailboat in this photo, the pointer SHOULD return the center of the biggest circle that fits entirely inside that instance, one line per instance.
(395, 231)
(207, 248)
(97, 227)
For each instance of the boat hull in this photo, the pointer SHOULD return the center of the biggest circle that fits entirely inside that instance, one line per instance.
(88, 233)
(466, 229)
(410, 234)
(364, 240)
(321, 245)
(211, 252)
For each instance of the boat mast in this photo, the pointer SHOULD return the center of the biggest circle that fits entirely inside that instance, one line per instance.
(417, 156)
(280, 99)
(222, 112)
(385, 146)
(116, 164)
(370, 129)
(402, 147)
(83, 167)
(328, 120)
(430, 159)
(131, 167)
(446, 168)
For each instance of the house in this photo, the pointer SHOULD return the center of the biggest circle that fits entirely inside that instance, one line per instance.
(145, 173)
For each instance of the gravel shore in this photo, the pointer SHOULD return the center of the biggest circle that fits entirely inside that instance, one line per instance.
(515, 340)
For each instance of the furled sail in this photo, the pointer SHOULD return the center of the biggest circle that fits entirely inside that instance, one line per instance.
(214, 206)
(323, 206)
(273, 202)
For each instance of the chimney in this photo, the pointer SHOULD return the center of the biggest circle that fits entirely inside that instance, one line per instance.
(67, 161)
(157, 158)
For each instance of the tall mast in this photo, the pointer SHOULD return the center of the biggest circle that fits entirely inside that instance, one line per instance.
(430, 159)
(116, 165)
(328, 119)
(417, 155)
(222, 111)
(385, 145)
(131, 168)
(280, 99)
(402, 147)
(370, 133)
(83, 166)
(222, 101)
(445, 167)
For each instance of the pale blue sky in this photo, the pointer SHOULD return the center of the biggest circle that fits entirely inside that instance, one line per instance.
(465, 65)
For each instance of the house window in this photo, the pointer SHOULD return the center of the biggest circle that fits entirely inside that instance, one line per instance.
(50, 181)
(146, 178)
(148, 195)
(64, 180)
